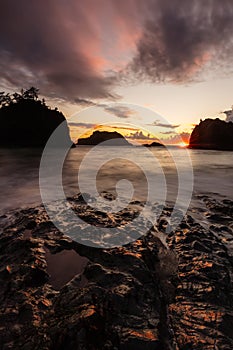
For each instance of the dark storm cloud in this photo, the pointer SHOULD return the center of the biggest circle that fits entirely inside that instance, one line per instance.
(48, 44)
(180, 37)
(74, 50)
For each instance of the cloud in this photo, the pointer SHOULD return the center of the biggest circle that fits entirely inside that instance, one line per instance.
(163, 125)
(181, 38)
(177, 138)
(100, 126)
(84, 102)
(138, 135)
(229, 115)
(79, 51)
(53, 45)
(167, 132)
(119, 111)
(82, 125)
(230, 118)
(123, 127)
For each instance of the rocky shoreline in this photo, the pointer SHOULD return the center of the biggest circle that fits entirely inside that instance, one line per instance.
(160, 292)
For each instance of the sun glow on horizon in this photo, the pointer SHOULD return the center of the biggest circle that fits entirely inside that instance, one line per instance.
(182, 144)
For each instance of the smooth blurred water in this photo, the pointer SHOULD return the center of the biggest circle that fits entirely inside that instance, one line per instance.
(19, 169)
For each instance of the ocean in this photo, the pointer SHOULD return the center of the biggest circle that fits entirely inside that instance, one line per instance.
(106, 167)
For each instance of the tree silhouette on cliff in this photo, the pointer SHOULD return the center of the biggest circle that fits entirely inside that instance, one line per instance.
(26, 121)
(30, 94)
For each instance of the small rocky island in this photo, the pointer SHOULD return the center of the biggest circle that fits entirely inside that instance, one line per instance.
(26, 121)
(213, 134)
(153, 144)
(99, 137)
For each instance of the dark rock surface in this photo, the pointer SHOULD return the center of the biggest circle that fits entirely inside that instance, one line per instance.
(145, 295)
(98, 137)
(212, 134)
(30, 123)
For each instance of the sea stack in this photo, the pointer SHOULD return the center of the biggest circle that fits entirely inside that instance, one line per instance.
(213, 134)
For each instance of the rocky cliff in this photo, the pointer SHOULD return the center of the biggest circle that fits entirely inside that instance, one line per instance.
(212, 134)
(29, 123)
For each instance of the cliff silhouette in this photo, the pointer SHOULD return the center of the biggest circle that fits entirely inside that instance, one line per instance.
(100, 136)
(27, 121)
(213, 134)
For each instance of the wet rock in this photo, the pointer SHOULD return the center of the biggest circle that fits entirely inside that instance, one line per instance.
(145, 295)
(203, 297)
(26, 313)
(118, 288)
(143, 339)
(37, 277)
(200, 247)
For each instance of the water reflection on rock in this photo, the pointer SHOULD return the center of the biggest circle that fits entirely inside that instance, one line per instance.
(58, 294)
(63, 266)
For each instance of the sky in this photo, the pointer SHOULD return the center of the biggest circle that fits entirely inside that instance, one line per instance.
(150, 69)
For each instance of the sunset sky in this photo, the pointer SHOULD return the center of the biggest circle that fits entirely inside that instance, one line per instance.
(149, 68)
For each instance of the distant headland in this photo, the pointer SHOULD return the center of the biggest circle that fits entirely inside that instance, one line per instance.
(98, 137)
(212, 134)
(26, 121)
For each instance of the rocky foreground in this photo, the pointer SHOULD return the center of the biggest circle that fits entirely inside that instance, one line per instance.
(58, 294)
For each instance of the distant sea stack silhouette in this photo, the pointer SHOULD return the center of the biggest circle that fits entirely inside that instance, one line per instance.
(213, 134)
(26, 121)
(100, 136)
(153, 144)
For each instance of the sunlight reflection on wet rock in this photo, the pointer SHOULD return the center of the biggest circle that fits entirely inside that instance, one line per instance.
(160, 291)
